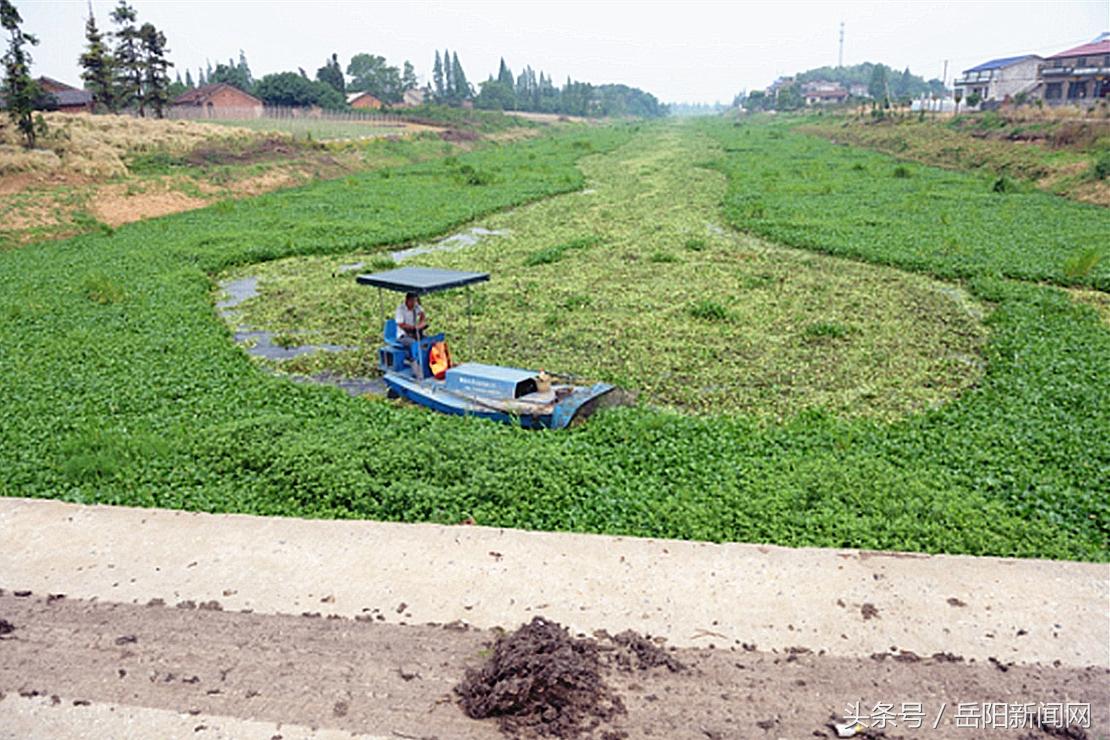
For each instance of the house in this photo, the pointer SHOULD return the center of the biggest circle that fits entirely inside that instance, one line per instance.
(218, 101)
(414, 98)
(821, 92)
(363, 101)
(1077, 76)
(999, 79)
(62, 97)
(69, 99)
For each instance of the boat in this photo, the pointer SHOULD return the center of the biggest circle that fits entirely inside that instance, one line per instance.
(421, 371)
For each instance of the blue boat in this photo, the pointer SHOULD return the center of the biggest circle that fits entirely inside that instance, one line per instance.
(421, 370)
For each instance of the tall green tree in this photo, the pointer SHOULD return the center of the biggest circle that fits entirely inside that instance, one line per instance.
(156, 79)
(408, 77)
(232, 74)
(371, 73)
(189, 80)
(877, 87)
(461, 89)
(128, 57)
(438, 78)
(448, 78)
(21, 93)
(97, 67)
(332, 74)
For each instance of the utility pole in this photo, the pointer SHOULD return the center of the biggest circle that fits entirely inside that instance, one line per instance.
(840, 55)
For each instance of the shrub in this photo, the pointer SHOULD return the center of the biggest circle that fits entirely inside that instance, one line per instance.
(709, 311)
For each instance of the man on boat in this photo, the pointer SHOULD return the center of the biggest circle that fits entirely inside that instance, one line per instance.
(412, 325)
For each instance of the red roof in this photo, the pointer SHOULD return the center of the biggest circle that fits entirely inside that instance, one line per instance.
(202, 94)
(1092, 49)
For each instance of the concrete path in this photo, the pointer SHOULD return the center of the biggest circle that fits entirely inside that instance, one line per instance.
(846, 603)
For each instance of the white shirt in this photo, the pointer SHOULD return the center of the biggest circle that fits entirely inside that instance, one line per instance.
(406, 316)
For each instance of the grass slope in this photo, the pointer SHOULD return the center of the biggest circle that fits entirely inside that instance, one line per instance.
(121, 386)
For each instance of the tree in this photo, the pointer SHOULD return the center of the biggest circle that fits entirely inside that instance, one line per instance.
(370, 73)
(437, 78)
(21, 93)
(877, 87)
(189, 80)
(292, 89)
(332, 74)
(231, 74)
(461, 89)
(156, 80)
(97, 67)
(504, 74)
(494, 95)
(789, 97)
(128, 57)
(408, 77)
(177, 87)
(448, 78)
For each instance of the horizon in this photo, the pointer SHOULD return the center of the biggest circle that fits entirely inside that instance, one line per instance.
(682, 56)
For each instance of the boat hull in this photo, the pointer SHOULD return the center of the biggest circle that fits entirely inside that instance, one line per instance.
(579, 403)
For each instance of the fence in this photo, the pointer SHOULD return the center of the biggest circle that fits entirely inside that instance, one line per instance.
(281, 113)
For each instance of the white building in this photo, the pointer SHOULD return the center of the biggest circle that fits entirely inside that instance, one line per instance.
(999, 78)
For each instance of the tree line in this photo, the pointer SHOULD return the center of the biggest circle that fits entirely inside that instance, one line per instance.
(538, 93)
(127, 69)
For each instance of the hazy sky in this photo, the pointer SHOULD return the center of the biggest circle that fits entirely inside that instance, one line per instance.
(679, 51)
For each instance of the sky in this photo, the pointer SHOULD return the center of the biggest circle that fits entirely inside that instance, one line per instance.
(678, 51)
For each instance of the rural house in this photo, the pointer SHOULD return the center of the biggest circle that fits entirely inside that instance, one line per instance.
(1077, 76)
(414, 98)
(821, 92)
(217, 101)
(62, 97)
(363, 101)
(999, 79)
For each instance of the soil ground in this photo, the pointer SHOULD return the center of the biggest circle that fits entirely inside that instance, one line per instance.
(362, 675)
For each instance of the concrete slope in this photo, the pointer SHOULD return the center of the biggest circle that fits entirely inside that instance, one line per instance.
(846, 603)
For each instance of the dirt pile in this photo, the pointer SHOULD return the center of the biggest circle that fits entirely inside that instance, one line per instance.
(541, 681)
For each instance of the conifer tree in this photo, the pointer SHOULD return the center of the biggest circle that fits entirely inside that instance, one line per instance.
(156, 81)
(504, 74)
(458, 77)
(189, 80)
(408, 77)
(128, 58)
(96, 65)
(437, 77)
(448, 78)
(21, 93)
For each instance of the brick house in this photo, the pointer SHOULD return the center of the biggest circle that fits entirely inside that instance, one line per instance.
(62, 97)
(69, 99)
(219, 101)
(363, 101)
(1077, 76)
(999, 79)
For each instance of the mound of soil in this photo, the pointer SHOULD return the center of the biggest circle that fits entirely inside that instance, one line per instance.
(541, 681)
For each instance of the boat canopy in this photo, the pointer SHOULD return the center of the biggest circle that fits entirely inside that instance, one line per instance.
(421, 280)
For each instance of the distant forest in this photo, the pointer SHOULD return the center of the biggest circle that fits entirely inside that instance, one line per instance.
(534, 92)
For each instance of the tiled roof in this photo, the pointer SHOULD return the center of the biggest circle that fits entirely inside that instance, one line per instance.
(1000, 63)
(1101, 45)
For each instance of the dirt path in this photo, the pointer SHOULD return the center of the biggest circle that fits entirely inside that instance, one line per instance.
(366, 676)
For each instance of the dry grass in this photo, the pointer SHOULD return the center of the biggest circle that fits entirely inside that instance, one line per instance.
(96, 146)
